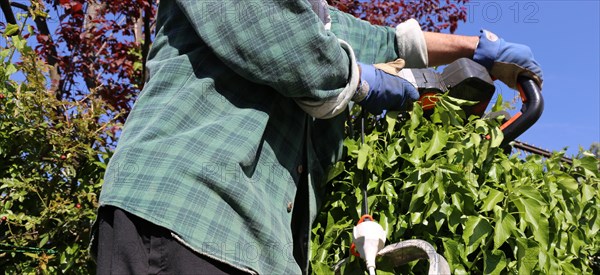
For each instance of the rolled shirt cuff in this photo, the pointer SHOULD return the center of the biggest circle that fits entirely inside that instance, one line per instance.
(331, 107)
(411, 44)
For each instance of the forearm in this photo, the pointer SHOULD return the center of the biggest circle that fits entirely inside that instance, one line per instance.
(445, 48)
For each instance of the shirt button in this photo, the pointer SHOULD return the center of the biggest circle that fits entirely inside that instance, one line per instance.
(300, 169)
(289, 207)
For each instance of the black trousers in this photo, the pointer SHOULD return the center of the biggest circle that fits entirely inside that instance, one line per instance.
(131, 245)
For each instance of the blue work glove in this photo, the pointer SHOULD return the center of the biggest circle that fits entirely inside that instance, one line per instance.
(386, 92)
(505, 60)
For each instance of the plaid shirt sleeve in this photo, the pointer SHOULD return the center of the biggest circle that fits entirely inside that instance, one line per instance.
(372, 44)
(281, 44)
(378, 44)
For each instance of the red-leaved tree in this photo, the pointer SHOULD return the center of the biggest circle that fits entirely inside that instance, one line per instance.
(100, 47)
(434, 15)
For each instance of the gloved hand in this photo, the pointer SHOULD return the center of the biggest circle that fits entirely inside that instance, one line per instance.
(505, 60)
(386, 92)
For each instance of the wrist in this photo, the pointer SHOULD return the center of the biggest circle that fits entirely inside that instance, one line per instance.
(367, 75)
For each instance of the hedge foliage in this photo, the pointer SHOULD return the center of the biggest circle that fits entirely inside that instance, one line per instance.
(441, 180)
(52, 159)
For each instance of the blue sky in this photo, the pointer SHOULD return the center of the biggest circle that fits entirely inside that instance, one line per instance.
(564, 36)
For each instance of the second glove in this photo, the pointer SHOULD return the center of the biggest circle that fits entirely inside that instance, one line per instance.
(506, 61)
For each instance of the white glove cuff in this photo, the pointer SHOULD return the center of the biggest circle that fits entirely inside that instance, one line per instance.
(411, 44)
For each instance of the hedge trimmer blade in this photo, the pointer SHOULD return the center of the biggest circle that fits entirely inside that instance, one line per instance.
(522, 146)
(410, 250)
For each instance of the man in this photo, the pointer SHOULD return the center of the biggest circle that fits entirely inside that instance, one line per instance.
(220, 162)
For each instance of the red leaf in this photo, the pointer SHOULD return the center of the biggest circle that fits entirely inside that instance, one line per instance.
(76, 6)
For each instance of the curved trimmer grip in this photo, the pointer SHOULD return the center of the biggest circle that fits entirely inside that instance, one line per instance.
(531, 110)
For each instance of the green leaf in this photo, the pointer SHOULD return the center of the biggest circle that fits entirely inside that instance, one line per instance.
(390, 118)
(527, 255)
(416, 116)
(496, 136)
(11, 29)
(494, 261)
(4, 53)
(10, 69)
(335, 170)
(320, 268)
(423, 188)
(595, 223)
(416, 156)
(100, 164)
(454, 113)
(492, 199)
(589, 164)
(577, 241)
(475, 139)
(43, 241)
(505, 224)
(460, 102)
(454, 254)
(530, 192)
(438, 142)
(476, 229)
(529, 203)
(351, 144)
(587, 192)
(498, 106)
(363, 154)
(389, 190)
(384, 221)
(455, 219)
(481, 127)
(569, 268)
(32, 255)
(18, 42)
(568, 184)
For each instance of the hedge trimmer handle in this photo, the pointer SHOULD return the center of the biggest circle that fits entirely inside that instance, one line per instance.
(531, 110)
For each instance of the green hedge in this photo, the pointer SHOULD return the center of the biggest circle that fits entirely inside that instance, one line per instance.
(52, 161)
(439, 179)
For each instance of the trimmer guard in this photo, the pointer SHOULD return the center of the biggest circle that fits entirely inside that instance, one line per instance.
(407, 251)
(411, 250)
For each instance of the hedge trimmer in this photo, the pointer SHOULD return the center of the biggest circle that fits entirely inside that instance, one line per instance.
(463, 79)
(467, 80)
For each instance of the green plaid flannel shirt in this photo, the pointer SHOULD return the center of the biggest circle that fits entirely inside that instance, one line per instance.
(212, 149)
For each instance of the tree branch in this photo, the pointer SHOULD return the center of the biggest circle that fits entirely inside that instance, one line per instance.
(147, 39)
(8, 13)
